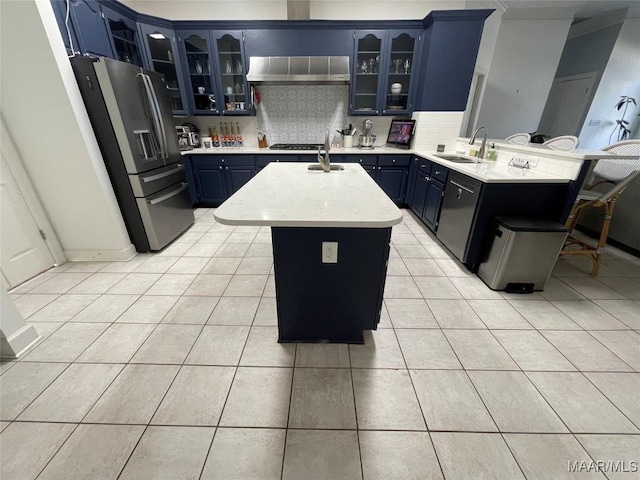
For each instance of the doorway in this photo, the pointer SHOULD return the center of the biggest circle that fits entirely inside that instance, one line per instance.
(567, 105)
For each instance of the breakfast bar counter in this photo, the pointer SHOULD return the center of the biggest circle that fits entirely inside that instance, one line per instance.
(331, 233)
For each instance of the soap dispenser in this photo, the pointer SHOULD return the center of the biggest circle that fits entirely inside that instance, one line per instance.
(492, 154)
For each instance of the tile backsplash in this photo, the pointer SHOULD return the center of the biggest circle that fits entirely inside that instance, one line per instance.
(436, 128)
(302, 113)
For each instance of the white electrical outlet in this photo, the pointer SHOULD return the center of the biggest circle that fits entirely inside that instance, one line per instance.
(329, 252)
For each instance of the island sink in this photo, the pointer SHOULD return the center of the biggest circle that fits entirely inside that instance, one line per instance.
(320, 167)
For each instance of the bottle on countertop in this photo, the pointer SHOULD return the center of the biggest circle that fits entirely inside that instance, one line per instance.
(239, 141)
(215, 141)
(492, 153)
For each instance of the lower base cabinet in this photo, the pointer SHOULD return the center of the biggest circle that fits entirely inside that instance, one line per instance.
(427, 192)
(217, 177)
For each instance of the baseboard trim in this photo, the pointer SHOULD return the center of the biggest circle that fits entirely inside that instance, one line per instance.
(19, 343)
(121, 255)
(610, 241)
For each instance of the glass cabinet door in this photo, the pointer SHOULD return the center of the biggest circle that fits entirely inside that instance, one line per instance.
(233, 86)
(199, 68)
(400, 66)
(163, 60)
(123, 37)
(367, 70)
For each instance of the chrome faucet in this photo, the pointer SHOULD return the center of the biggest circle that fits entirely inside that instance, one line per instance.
(483, 147)
(323, 159)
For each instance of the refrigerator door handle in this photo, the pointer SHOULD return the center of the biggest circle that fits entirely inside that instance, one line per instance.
(168, 195)
(158, 110)
(153, 178)
(155, 116)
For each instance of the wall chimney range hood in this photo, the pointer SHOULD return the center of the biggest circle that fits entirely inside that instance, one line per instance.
(299, 70)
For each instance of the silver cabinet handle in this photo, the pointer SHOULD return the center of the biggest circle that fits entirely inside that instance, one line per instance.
(461, 187)
(168, 195)
(437, 172)
(153, 178)
(394, 160)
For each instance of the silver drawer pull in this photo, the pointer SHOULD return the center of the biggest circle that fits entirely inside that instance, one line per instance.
(153, 178)
(168, 195)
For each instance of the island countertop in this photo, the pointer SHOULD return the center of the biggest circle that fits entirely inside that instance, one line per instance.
(289, 195)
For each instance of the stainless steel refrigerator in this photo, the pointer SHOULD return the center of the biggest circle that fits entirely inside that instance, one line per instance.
(130, 111)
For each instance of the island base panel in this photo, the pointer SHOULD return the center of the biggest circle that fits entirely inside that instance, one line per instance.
(329, 302)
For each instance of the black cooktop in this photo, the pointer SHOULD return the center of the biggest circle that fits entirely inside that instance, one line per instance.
(296, 146)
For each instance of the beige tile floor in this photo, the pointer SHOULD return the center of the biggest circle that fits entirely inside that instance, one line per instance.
(167, 367)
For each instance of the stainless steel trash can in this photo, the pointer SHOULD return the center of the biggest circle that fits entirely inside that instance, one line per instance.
(522, 254)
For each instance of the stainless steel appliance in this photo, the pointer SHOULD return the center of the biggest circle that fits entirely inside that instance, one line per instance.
(193, 135)
(522, 254)
(304, 70)
(184, 142)
(458, 209)
(295, 146)
(130, 111)
(366, 140)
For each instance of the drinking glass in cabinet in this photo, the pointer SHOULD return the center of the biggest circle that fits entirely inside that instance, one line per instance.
(238, 66)
(227, 66)
(364, 67)
(396, 65)
(198, 66)
(407, 66)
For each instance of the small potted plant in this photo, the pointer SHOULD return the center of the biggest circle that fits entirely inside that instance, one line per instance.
(621, 125)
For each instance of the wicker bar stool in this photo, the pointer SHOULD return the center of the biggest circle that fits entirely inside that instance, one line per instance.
(619, 173)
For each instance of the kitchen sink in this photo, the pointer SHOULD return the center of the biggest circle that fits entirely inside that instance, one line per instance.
(458, 159)
(319, 167)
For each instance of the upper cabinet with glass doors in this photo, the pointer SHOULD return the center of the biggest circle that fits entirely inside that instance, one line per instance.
(162, 57)
(401, 63)
(235, 98)
(124, 37)
(367, 72)
(199, 72)
(383, 72)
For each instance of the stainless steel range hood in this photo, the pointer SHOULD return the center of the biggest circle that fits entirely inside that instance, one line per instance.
(299, 70)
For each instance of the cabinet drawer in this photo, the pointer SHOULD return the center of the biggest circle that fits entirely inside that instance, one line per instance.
(264, 160)
(369, 160)
(438, 172)
(423, 165)
(218, 160)
(394, 160)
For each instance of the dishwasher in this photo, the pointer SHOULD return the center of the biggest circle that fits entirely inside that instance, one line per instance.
(458, 209)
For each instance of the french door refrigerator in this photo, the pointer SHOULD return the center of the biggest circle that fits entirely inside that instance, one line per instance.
(130, 111)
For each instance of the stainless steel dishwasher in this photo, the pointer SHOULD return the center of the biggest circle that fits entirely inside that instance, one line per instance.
(458, 209)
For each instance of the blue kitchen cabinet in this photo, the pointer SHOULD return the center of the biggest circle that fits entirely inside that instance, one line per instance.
(448, 58)
(419, 193)
(199, 71)
(411, 179)
(124, 37)
(162, 56)
(68, 36)
(402, 61)
(427, 190)
(298, 42)
(433, 203)
(217, 177)
(193, 192)
(383, 58)
(235, 98)
(237, 176)
(210, 184)
(367, 72)
(393, 181)
(90, 28)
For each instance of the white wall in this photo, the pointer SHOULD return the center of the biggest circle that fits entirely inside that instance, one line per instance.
(45, 115)
(212, 9)
(523, 65)
(277, 9)
(621, 77)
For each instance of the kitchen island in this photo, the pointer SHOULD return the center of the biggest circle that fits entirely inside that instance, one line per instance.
(331, 235)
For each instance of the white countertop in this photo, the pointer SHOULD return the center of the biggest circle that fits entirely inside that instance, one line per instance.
(266, 151)
(290, 195)
(488, 171)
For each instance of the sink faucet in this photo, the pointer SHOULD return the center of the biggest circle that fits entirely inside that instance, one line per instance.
(323, 159)
(483, 147)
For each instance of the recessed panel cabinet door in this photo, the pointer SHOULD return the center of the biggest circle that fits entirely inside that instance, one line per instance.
(210, 184)
(420, 193)
(392, 181)
(90, 27)
(432, 204)
(236, 177)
